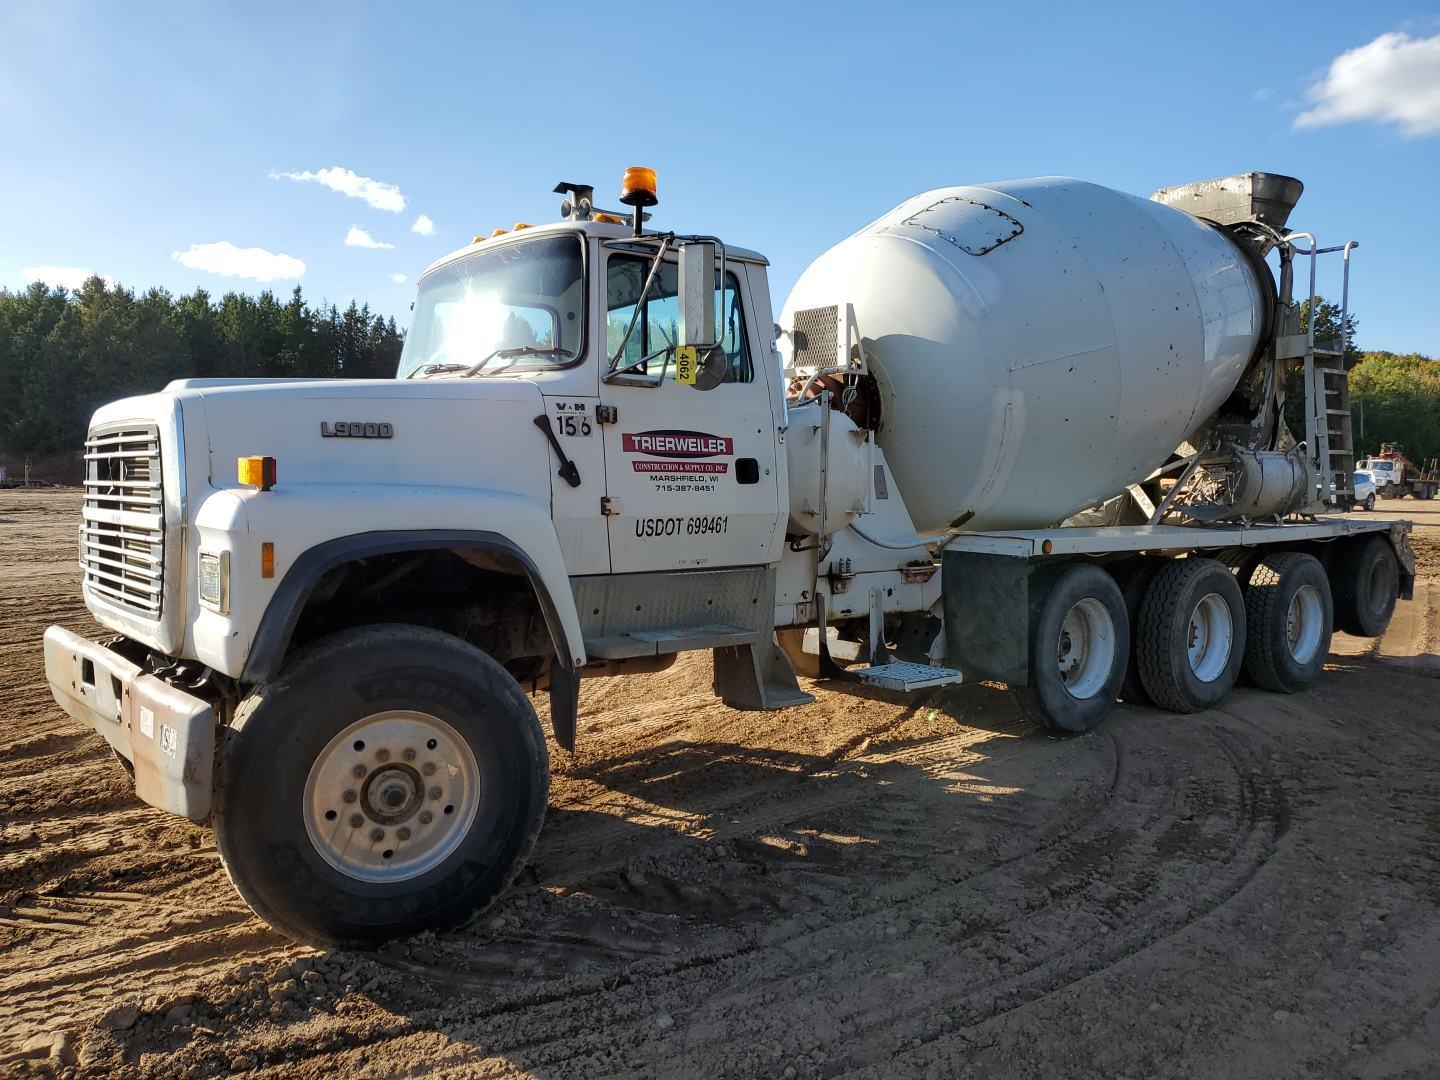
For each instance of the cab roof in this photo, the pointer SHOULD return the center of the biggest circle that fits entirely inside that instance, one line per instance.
(601, 229)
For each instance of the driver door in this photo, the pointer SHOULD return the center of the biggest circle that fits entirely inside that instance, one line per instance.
(691, 475)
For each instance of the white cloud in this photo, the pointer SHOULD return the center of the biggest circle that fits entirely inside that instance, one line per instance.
(64, 277)
(226, 259)
(358, 237)
(379, 195)
(399, 279)
(423, 225)
(1395, 79)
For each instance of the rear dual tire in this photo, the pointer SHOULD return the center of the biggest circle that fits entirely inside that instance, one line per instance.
(1190, 637)
(1079, 651)
(1366, 576)
(1289, 617)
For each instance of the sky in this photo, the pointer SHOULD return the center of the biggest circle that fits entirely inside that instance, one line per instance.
(344, 147)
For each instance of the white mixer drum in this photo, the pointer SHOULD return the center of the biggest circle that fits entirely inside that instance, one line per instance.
(1039, 344)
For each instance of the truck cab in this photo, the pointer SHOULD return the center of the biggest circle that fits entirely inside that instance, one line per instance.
(579, 467)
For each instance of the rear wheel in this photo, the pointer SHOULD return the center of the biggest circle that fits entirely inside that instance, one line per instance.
(1190, 640)
(1370, 501)
(1079, 648)
(1365, 578)
(393, 779)
(1289, 617)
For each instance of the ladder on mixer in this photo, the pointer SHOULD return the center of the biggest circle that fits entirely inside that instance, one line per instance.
(1329, 431)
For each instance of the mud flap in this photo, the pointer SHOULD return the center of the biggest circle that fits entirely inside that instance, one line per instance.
(757, 676)
(564, 702)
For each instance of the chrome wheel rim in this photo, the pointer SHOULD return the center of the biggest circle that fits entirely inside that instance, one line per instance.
(1303, 622)
(392, 796)
(1212, 636)
(1085, 651)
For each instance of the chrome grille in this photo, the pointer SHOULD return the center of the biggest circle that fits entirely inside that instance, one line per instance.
(122, 540)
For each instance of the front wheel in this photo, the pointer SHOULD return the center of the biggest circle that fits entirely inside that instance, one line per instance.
(393, 779)
(1370, 501)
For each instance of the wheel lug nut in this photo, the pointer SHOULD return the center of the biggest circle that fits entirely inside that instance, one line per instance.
(428, 768)
(382, 755)
(409, 753)
(435, 793)
(403, 833)
(350, 796)
(426, 817)
(377, 835)
(356, 821)
(358, 771)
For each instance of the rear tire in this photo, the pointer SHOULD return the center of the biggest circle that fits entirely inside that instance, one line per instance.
(1365, 580)
(1289, 617)
(1190, 641)
(1134, 577)
(1079, 649)
(1370, 501)
(392, 779)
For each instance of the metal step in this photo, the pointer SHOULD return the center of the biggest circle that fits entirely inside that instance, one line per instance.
(899, 675)
(669, 640)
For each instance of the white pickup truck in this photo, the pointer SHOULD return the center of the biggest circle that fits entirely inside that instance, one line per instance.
(329, 599)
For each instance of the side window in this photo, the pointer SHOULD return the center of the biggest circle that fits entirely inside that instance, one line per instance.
(658, 326)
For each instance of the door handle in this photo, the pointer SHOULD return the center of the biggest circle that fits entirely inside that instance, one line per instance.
(747, 470)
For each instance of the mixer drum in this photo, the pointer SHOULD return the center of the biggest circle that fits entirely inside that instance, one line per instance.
(1039, 345)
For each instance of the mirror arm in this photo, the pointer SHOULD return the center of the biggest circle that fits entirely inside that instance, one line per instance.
(667, 350)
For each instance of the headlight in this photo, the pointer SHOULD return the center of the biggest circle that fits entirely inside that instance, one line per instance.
(215, 581)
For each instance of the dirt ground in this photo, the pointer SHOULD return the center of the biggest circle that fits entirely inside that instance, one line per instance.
(868, 886)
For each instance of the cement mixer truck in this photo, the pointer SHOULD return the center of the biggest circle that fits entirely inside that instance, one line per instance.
(1031, 433)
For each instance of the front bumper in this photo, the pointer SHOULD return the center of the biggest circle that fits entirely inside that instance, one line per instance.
(167, 734)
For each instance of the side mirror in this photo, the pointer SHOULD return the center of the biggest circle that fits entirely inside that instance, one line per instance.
(697, 294)
(699, 361)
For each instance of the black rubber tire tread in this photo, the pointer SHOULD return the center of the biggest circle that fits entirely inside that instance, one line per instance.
(1134, 577)
(1268, 662)
(263, 764)
(1162, 634)
(1045, 700)
(1357, 610)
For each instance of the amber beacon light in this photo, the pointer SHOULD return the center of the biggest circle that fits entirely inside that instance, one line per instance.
(257, 472)
(638, 187)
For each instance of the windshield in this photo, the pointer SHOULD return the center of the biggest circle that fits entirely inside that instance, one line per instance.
(513, 308)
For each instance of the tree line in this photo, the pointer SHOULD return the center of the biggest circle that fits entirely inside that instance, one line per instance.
(65, 352)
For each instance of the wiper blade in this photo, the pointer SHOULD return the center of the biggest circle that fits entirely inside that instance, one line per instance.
(520, 350)
(435, 369)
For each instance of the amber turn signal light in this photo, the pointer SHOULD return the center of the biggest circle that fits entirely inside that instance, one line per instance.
(257, 472)
(638, 187)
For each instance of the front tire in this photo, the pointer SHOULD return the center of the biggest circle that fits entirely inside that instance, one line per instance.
(1079, 650)
(393, 779)
(1190, 640)
(1370, 501)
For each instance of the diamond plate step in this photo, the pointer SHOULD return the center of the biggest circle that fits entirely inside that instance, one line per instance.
(898, 675)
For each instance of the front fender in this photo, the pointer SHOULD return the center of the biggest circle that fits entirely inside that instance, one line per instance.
(316, 527)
